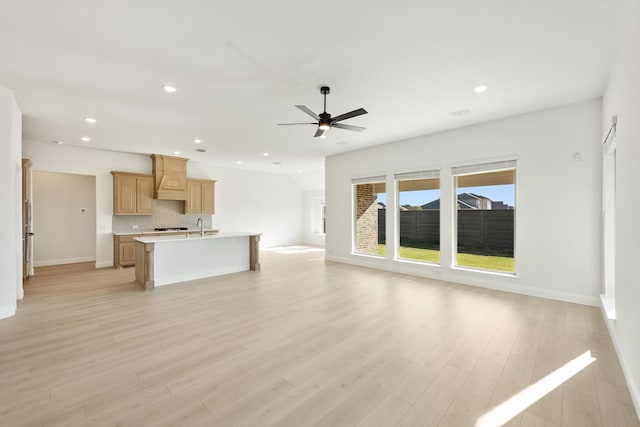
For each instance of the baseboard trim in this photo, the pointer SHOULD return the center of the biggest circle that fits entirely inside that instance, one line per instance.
(634, 390)
(103, 264)
(7, 311)
(63, 261)
(435, 272)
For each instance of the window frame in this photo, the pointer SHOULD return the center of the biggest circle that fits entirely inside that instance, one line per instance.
(413, 176)
(468, 169)
(375, 179)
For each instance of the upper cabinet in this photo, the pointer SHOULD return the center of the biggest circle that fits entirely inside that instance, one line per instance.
(200, 197)
(132, 193)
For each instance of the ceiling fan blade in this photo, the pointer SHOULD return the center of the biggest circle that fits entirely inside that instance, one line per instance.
(354, 113)
(291, 124)
(308, 111)
(348, 127)
(319, 132)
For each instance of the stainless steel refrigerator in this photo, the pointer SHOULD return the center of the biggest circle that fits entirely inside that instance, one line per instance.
(27, 220)
(27, 240)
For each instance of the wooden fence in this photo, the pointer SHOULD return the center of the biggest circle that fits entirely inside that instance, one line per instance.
(476, 228)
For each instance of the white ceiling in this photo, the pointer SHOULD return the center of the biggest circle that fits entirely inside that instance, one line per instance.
(240, 67)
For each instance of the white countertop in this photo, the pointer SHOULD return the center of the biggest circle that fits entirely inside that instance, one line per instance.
(191, 230)
(186, 237)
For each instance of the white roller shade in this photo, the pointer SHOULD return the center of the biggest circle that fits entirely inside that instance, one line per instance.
(435, 173)
(369, 179)
(483, 167)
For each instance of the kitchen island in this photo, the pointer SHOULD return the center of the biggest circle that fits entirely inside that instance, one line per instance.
(164, 260)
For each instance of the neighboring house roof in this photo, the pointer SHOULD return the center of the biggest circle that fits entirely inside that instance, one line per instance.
(467, 201)
(471, 196)
(435, 204)
(463, 205)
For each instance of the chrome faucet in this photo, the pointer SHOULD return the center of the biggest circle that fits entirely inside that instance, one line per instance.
(199, 224)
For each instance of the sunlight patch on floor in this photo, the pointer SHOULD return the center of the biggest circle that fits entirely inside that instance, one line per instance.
(518, 403)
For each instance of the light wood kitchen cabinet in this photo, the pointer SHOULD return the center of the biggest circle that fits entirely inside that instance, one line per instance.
(132, 193)
(200, 197)
(124, 248)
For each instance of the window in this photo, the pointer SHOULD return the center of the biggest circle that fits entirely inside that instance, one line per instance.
(419, 216)
(323, 217)
(369, 216)
(485, 208)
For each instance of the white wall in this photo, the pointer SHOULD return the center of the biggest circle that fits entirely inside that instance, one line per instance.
(245, 200)
(622, 97)
(11, 202)
(558, 205)
(267, 203)
(64, 218)
(313, 233)
(310, 180)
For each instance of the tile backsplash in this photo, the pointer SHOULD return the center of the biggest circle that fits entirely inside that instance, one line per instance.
(167, 213)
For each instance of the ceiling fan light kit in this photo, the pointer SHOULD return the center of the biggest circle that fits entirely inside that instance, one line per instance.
(324, 119)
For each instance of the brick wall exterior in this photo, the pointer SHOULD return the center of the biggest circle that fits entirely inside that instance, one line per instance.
(366, 219)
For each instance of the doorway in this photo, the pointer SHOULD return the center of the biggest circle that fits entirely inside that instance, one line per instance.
(64, 218)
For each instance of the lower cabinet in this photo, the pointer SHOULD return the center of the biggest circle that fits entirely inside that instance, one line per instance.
(124, 250)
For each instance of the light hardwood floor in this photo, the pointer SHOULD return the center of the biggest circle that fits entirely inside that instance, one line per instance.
(302, 342)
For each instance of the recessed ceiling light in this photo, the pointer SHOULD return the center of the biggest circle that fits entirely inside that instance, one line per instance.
(239, 162)
(265, 154)
(276, 163)
(57, 141)
(176, 152)
(169, 88)
(85, 139)
(197, 141)
(481, 88)
(322, 167)
(90, 120)
(299, 170)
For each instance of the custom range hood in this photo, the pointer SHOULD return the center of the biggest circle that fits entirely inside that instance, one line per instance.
(171, 177)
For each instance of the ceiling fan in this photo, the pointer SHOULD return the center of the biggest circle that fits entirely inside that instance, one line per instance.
(324, 119)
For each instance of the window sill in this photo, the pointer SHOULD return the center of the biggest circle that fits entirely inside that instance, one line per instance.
(416, 262)
(481, 271)
(369, 256)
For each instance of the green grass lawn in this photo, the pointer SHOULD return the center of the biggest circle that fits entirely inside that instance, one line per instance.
(487, 262)
(427, 255)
